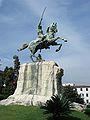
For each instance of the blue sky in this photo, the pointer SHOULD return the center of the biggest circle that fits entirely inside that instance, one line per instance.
(18, 23)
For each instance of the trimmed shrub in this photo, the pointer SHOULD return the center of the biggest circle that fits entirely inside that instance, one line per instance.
(87, 111)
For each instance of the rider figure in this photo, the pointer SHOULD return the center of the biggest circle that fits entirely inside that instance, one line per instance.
(39, 30)
(41, 36)
(50, 29)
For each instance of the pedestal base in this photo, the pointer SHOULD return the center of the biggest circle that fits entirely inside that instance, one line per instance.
(37, 82)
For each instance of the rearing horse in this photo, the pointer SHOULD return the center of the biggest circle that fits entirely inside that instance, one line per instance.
(43, 41)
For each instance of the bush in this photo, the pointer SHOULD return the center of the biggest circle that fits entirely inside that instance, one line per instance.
(87, 111)
(70, 92)
(59, 106)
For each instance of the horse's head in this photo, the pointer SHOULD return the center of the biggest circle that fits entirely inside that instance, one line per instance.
(52, 28)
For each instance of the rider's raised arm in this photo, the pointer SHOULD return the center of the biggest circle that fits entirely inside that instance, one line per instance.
(39, 27)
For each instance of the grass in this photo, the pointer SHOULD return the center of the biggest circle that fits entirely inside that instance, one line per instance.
(80, 115)
(21, 113)
(16, 112)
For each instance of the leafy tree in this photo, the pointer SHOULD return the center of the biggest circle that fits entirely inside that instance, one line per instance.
(16, 68)
(1, 81)
(8, 75)
(59, 106)
(8, 79)
(16, 65)
(70, 92)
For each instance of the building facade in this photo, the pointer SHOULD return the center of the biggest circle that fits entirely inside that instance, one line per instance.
(83, 91)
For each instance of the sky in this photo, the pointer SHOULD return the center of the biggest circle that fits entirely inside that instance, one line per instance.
(18, 23)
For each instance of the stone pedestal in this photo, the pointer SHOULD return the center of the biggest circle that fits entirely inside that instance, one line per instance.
(37, 82)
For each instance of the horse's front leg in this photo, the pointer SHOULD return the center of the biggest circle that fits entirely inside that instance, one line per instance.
(56, 44)
(63, 39)
(57, 38)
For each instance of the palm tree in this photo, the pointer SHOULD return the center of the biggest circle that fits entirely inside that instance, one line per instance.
(59, 106)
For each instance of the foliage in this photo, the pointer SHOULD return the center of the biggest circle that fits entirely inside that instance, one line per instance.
(1, 81)
(87, 111)
(8, 79)
(8, 75)
(58, 105)
(70, 93)
(16, 65)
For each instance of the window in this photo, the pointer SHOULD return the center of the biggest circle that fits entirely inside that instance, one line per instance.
(86, 94)
(82, 95)
(87, 101)
(86, 89)
(80, 89)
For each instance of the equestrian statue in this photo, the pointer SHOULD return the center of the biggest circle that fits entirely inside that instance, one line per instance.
(43, 41)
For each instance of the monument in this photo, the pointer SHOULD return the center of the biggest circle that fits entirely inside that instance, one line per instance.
(43, 41)
(39, 80)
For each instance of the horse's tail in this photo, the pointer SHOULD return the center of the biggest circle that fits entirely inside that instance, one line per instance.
(24, 46)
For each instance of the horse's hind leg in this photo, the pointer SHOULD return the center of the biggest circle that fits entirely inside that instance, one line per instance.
(59, 48)
(33, 56)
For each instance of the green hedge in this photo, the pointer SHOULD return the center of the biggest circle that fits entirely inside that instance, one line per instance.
(87, 111)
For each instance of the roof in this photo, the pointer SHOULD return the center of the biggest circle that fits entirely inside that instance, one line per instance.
(82, 86)
(77, 86)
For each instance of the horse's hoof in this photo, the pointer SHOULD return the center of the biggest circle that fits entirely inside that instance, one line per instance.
(57, 50)
(65, 40)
